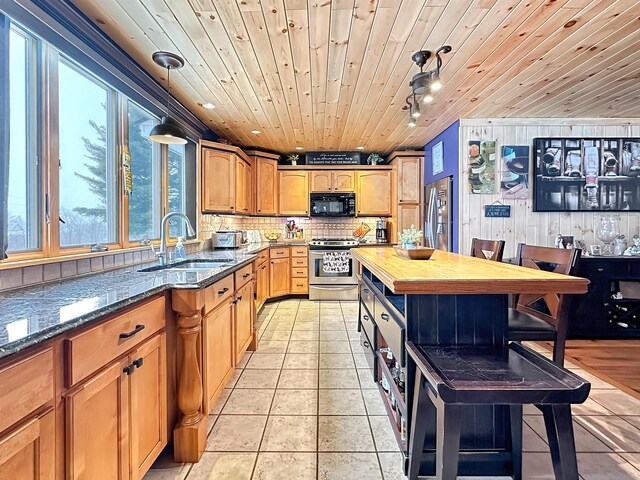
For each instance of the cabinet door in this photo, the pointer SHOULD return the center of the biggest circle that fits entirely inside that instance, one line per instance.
(97, 416)
(344, 181)
(294, 193)
(28, 453)
(218, 181)
(279, 272)
(408, 215)
(266, 186)
(218, 350)
(262, 284)
(244, 319)
(249, 189)
(409, 179)
(374, 193)
(148, 386)
(321, 181)
(241, 191)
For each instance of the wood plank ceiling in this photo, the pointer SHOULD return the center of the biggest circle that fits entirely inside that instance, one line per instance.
(333, 74)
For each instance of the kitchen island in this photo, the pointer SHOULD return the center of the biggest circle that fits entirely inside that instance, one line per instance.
(449, 300)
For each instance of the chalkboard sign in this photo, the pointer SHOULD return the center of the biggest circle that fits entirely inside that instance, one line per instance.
(497, 211)
(333, 158)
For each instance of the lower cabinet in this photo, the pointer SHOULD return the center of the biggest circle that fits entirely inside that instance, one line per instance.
(262, 283)
(116, 421)
(218, 350)
(279, 274)
(28, 452)
(243, 319)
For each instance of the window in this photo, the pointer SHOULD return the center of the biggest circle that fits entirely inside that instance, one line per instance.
(24, 198)
(182, 186)
(88, 205)
(145, 200)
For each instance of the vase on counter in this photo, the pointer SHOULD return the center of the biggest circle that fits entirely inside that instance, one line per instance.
(409, 246)
(607, 231)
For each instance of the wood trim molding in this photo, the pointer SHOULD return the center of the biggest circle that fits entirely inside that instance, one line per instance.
(226, 148)
(481, 122)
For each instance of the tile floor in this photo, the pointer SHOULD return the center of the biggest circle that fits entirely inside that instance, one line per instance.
(303, 406)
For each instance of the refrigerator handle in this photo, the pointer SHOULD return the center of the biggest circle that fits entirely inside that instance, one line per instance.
(430, 222)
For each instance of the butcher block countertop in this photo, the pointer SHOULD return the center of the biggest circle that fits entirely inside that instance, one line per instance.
(450, 273)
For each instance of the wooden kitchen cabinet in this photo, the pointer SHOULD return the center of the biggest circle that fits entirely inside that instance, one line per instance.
(374, 195)
(262, 284)
(333, 181)
(279, 275)
(409, 215)
(294, 193)
(409, 179)
(218, 180)
(219, 359)
(266, 186)
(28, 452)
(243, 320)
(344, 181)
(321, 181)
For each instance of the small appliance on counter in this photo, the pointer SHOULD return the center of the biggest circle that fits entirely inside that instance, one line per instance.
(228, 238)
(381, 231)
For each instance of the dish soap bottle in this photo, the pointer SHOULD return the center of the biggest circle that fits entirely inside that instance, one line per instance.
(179, 253)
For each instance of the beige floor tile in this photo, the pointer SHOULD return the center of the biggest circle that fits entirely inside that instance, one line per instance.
(354, 335)
(344, 434)
(332, 325)
(307, 316)
(530, 410)
(335, 347)
(348, 466)
(618, 434)
(279, 327)
(537, 466)
(271, 346)
(585, 441)
(391, 464)
(361, 360)
(234, 378)
(223, 466)
(633, 420)
(336, 378)
(248, 402)
(290, 434)
(356, 347)
(590, 407)
(351, 325)
(341, 402)
(298, 379)
(279, 466)
(243, 361)
(276, 335)
(222, 399)
(605, 466)
(164, 468)
(295, 402)
(306, 326)
(211, 420)
(265, 361)
(258, 379)
(305, 335)
(334, 335)
(332, 317)
(302, 361)
(617, 401)
(336, 360)
(383, 435)
(365, 376)
(373, 402)
(632, 458)
(303, 346)
(236, 433)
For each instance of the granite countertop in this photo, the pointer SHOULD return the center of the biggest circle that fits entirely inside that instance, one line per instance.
(34, 314)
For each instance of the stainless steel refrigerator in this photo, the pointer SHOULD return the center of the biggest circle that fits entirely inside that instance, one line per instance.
(438, 217)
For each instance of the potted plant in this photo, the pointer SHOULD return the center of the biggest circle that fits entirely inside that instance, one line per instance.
(374, 159)
(293, 158)
(410, 238)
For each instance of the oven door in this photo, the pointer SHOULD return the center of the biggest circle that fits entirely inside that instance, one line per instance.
(321, 274)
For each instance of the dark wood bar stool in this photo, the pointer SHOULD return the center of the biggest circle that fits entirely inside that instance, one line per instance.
(543, 317)
(487, 249)
(451, 379)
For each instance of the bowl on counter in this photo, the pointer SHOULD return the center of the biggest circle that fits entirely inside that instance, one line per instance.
(272, 236)
(418, 253)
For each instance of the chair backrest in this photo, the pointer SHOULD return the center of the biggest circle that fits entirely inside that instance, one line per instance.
(550, 307)
(487, 249)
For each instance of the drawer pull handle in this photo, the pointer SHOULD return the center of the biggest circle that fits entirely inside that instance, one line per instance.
(384, 316)
(223, 291)
(366, 344)
(246, 275)
(263, 267)
(366, 290)
(138, 362)
(366, 317)
(128, 369)
(130, 334)
(240, 298)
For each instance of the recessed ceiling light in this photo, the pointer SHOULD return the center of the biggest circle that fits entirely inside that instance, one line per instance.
(255, 132)
(299, 148)
(208, 105)
(359, 148)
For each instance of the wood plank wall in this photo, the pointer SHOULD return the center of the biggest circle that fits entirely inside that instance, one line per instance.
(524, 225)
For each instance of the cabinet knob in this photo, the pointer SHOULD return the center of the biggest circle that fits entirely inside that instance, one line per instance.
(246, 275)
(384, 316)
(366, 317)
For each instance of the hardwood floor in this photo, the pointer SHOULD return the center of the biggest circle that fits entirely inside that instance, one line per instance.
(615, 361)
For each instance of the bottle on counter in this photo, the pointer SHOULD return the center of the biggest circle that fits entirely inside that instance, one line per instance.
(179, 252)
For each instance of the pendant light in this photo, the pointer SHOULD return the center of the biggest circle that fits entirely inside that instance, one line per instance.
(168, 131)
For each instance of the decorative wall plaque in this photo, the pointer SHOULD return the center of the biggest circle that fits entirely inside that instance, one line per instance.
(333, 158)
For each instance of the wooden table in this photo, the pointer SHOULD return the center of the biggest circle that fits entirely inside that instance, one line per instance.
(453, 300)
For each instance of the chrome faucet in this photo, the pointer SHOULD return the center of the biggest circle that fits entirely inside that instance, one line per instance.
(162, 253)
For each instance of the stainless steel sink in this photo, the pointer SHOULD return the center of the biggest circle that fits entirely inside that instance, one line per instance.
(190, 266)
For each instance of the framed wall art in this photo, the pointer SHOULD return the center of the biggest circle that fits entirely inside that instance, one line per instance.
(437, 158)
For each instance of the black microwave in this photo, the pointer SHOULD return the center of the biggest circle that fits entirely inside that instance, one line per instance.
(333, 204)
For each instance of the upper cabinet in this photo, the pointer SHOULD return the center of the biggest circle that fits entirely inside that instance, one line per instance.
(333, 181)
(294, 192)
(266, 183)
(374, 196)
(409, 179)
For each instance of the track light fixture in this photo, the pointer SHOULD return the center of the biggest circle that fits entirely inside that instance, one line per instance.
(424, 84)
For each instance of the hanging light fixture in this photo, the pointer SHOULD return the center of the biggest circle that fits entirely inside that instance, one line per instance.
(424, 84)
(168, 131)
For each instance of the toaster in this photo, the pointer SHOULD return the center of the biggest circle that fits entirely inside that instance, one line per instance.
(228, 239)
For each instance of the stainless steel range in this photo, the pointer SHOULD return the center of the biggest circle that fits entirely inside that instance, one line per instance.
(332, 269)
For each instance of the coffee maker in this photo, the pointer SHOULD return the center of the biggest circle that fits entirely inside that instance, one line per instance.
(381, 231)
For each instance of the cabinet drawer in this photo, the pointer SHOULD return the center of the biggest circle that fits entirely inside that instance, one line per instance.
(367, 324)
(263, 256)
(299, 285)
(279, 252)
(243, 275)
(299, 272)
(366, 297)
(26, 386)
(215, 294)
(300, 261)
(367, 349)
(299, 251)
(94, 348)
(391, 330)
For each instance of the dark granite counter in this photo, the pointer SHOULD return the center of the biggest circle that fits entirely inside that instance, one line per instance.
(32, 315)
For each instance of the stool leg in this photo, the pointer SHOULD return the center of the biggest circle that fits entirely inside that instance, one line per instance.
(449, 419)
(418, 426)
(515, 418)
(558, 422)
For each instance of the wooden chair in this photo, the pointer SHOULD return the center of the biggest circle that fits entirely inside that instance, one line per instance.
(543, 317)
(487, 249)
